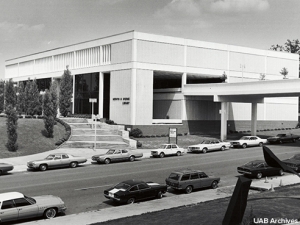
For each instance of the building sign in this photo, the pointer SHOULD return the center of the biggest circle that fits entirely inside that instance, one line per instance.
(92, 100)
(173, 132)
(125, 101)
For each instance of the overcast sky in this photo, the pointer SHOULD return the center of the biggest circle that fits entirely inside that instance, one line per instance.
(31, 26)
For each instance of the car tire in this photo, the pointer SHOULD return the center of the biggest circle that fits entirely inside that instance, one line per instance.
(50, 213)
(161, 155)
(130, 200)
(244, 145)
(107, 161)
(281, 173)
(260, 144)
(131, 158)
(214, 184)
(43, 167)
(159, 194)
(259, 175)
(188, 189)
(73, 164)
(178, 153)
(204, 150)
(222, 148)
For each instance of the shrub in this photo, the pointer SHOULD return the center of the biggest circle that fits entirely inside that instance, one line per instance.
(139, 144)
(12, 124)
(110, 122)
(136, 132)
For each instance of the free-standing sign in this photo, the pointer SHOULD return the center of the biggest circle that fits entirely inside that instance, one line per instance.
(173, 133)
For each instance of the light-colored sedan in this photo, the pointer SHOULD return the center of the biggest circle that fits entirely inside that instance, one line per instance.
(167, 149)
(209, 145)
(55, 161)
(246, 141)
(5, 167)
(16, 206)
(117, 155)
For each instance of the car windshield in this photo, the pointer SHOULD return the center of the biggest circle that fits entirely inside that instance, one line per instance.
(29, 199)
(205, 142)
(50, 157)
(174, 176)
(244, 138)
(297, 157)
(110, 151)
(122, 186)
(253, 164)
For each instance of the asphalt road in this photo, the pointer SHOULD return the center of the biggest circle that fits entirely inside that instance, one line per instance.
(82, 188)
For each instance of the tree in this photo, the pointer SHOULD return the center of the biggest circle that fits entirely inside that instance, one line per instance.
(33, 100)
(54, 96)
(21, 104)
(27, 96)
(11, 123)
(2, 83)
(10, 94)
(49, 119)
(284, 72)
(65, 93)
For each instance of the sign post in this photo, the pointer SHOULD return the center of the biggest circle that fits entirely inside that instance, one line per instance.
(173, 133)
(94, 100)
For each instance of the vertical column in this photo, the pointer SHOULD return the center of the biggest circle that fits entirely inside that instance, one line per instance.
(253, 118)
(183, 100)
(73, 96)
(223, 113)
(101, 93)
(133, 96)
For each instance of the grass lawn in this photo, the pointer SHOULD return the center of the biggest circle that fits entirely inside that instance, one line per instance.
(30, 137)
(281, 204)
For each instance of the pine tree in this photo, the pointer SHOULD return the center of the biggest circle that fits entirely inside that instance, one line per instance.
(66, 91)
(34, 105)
(10, 94)
(49, 119)
(21, 108)
(54, 96)
(27, 96)
(2, 83)
(12, 123)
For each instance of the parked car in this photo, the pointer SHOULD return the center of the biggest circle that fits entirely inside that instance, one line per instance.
(293, 162)
(167, 149)
(188, 180)
(259, 169)
(17, 206)
(117, 155)
(209, 145)
(56, 160)
(246, 141)
(130, 191)
(5, 167)
(280, 138)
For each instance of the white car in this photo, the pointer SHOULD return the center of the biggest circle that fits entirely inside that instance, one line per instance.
(167, 149)
(209, 145)
(246, 141)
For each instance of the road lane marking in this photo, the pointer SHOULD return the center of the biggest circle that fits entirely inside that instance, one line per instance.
(87, 188)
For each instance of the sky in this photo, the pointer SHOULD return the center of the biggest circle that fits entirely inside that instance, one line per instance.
(31, 26)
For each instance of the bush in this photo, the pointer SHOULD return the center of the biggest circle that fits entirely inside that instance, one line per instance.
(110, 122)
(139, 144)
(136, 132)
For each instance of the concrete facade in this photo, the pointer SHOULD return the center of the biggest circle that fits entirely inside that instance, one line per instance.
(147, 78)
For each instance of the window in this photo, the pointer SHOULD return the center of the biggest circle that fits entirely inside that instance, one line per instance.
(143, 186)
(8, 204)
(134, 188)
(21, 202)
(117, 152)
(57, 157)
(194, 176)
(169, 146)
(65, 156)
(185, 177)
(124, 151)
(174, 146)
(202, 175)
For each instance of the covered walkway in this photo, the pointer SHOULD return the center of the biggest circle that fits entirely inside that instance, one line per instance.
(247, 92)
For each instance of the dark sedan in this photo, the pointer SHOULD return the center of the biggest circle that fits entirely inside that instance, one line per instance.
(281, 138)
(293, 162)
(130, 191)
(259, 169)
(5, 167)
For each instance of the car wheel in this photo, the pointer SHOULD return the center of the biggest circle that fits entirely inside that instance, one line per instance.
(43, 167)
(204, 150)
(260, 144)
(107, 161)
(222, 148)
(131, 158)
(214, 184)
(161, 155)
(259, 175)
(244, 145)
(130, 201)
(50, 213)
(73, 164)
(159, 194)
(281, 172)
(188, 189)
(178, 153)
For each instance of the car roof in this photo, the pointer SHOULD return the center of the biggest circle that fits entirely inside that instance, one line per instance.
(186, 171)
(132, 182)
(59, 154)
(10, 195)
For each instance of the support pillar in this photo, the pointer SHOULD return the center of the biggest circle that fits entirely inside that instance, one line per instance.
(101, 93)
(223, 113)
(253, 118)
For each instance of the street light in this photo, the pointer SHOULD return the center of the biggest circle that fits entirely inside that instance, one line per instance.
(94, 100)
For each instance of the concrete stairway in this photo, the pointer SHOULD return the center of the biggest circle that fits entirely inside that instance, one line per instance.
(107, 136)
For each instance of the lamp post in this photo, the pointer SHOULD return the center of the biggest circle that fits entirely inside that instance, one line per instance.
(94, 100)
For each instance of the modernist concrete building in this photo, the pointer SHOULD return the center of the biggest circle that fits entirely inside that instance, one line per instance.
(155, 82)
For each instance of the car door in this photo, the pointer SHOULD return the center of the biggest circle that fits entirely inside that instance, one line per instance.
(117, 156)
(218, 145)
(65, 160)
(56, 162)
(25, 208)
(205, 180)
(146, 191)
(8, 211)
(174, 149)
(195, 181)
(254, 141)
(125, 154)
(168, 150)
